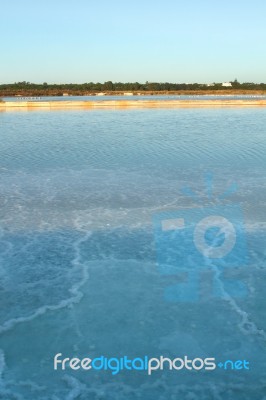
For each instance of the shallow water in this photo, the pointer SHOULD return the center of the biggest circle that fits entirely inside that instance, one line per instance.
(138, 98)
(79, 251)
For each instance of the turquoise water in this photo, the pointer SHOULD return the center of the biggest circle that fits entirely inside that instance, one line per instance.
(79, 275)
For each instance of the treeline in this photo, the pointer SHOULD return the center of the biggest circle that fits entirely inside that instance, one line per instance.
(33, 89)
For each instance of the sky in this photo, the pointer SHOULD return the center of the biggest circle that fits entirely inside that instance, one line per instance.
(76, 41)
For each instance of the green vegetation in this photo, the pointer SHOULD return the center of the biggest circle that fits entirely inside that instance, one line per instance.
(109, 87)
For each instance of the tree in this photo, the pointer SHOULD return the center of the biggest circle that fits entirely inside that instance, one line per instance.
(108, 85)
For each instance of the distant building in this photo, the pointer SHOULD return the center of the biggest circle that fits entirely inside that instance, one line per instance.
(128, 94)
(100, 94)
(65, 94)
(227, 84)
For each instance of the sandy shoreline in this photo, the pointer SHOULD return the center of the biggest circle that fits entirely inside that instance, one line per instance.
(13, 105)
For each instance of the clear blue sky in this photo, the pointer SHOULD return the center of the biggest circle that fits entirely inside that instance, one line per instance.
(138, 40)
